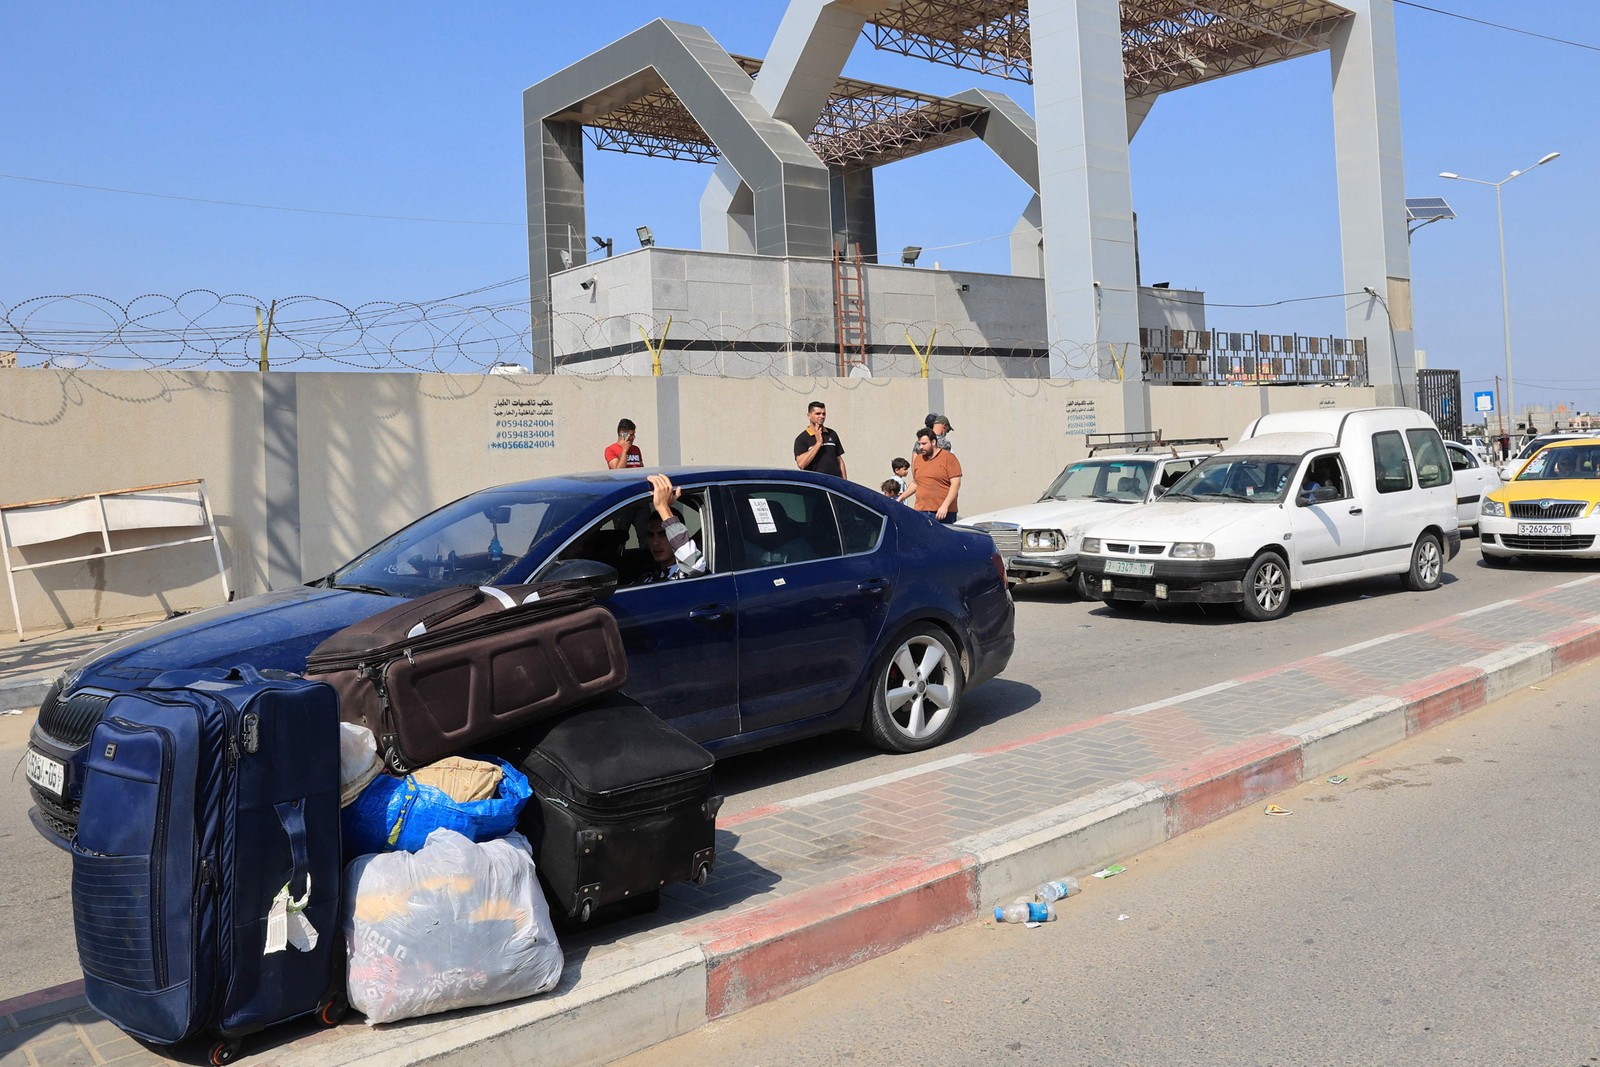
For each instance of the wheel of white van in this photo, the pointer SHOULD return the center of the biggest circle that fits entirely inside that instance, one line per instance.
(1427, 564)
(916, 691)
(1266, 588)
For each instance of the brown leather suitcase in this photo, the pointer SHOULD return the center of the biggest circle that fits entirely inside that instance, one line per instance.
(434, 676)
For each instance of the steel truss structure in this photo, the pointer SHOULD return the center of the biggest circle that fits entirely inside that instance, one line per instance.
(1166, 44)
(862, 125)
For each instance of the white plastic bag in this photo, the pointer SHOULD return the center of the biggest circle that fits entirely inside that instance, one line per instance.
(358, 761)
(455, 925)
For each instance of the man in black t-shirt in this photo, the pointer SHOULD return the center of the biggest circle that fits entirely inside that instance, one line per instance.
(818, 448)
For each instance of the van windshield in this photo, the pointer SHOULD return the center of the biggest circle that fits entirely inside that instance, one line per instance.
(1258, 479)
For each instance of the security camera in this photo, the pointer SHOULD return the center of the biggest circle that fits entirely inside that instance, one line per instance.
(587, 284)
(1369, 290)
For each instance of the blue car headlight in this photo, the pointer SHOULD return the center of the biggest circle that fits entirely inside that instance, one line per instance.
(1493, 508)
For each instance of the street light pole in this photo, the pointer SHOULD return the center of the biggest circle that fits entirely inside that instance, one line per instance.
(1505, 292)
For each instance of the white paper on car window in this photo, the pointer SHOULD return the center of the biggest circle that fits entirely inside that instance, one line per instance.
(763, 515)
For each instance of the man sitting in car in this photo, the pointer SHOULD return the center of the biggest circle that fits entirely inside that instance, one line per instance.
(672, 551)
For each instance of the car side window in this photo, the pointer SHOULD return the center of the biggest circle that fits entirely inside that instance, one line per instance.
(618, 539)
(1390, 463)
(780, 524)
(1327, 472)
(860, 528)
(1433, 467)
(1174, 470)
(1461, 459)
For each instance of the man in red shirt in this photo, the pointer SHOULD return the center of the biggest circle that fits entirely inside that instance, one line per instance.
(935, 478)
(624, 453)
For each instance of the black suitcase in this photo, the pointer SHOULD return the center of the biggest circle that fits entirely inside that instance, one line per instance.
(623, 805)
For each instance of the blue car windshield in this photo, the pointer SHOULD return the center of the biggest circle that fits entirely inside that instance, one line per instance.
(1259, 479)
(478, 540)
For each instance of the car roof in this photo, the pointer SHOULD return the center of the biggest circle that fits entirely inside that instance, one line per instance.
(1283, 443)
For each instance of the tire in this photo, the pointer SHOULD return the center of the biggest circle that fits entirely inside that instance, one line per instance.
(1266, 588)
(1124, 606)
(916, 691)
(1427, 564)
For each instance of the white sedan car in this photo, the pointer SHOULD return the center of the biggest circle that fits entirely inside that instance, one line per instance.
(1475, 478)
(1039, 541)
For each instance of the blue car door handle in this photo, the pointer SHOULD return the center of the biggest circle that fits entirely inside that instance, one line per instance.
(873, 585)
(709, 612)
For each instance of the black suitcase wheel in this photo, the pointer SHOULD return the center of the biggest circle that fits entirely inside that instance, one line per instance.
(703, 874)
(224, 1052)
(585, 911)
(333, 1010)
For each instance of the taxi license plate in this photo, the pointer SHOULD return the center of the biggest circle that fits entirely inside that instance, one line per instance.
(46, 773)
(1544, 529)
(1128, 566)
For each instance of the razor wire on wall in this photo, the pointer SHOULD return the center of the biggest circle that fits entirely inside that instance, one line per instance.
(203, 330)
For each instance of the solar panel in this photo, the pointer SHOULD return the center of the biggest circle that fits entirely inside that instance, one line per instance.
(1427, 208)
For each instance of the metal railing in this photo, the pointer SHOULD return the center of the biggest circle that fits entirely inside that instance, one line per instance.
(1224, 357)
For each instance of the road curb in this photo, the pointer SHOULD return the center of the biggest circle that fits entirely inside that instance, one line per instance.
(20, 693)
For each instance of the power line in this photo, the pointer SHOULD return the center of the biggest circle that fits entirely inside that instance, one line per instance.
(261, 207)
(1500, 26)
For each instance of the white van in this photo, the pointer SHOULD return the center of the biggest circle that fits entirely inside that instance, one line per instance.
(1306, 498)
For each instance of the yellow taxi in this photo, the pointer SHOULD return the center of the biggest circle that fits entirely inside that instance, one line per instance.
(1551, 507)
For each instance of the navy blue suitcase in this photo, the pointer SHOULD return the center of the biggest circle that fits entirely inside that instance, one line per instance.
(208, 794)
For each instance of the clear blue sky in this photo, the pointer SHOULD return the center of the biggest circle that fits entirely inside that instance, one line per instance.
(410, 109)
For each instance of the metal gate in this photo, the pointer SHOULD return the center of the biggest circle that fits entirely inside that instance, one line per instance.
(1439, 394)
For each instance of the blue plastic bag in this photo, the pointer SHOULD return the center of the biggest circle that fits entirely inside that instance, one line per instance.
(398, 814)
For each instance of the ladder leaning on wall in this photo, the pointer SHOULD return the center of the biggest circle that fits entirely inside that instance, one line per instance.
(849, 308)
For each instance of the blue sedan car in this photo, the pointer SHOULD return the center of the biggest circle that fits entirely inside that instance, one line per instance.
(823, 607)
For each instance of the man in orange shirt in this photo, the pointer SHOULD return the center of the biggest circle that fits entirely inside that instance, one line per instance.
(935, 478)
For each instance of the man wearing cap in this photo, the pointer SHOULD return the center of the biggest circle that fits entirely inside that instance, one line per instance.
(940, 425)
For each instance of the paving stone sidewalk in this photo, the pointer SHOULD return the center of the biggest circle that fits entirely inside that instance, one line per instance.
(771, 853)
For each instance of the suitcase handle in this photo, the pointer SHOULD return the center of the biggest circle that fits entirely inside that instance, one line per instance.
(477, 597)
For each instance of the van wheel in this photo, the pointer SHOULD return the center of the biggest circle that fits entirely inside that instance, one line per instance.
(1266, 588)
(1427, 564)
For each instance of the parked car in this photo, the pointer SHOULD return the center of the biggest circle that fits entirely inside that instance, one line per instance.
(1474, 478)
(1304, 499)
(1548, 509)
(825, 607)
(1039, 541)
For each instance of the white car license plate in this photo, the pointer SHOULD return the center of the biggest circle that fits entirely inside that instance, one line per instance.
(1128, 566)
(1544, 529)
(46, 773)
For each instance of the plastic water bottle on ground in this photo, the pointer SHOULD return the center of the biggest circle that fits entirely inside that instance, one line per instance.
(1030, 911)
(1058, 889)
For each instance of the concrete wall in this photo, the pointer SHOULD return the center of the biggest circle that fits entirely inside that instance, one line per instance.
(306, 470)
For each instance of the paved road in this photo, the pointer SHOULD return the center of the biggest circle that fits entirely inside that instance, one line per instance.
(1438, 908)
(1075, 660)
